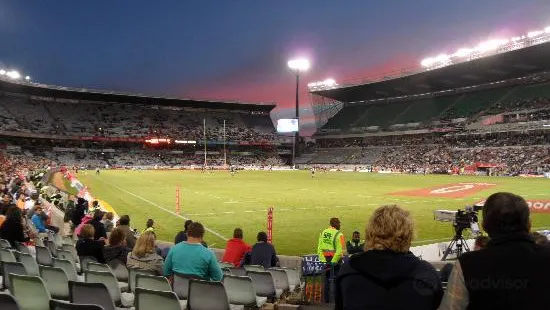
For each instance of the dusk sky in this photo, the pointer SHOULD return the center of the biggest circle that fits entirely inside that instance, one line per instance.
(238, 49)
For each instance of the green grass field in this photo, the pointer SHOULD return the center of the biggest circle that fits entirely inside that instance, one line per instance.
(303, 206)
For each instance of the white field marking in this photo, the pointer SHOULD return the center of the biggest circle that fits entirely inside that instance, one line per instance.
(354, 205)
(229, 212)
(215, 233)
(284, 209)
(249, 211)
(372, 204)
(339, 206)
(230, 202)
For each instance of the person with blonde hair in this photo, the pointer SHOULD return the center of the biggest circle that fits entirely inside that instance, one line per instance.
(387, 275)
(144, 255)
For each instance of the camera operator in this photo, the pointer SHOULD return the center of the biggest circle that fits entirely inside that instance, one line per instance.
(512, 272)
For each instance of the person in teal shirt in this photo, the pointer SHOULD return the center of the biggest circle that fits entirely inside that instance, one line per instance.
(192, 258)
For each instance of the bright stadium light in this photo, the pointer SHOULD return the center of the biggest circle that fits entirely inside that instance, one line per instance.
(2, 72)
(299, 64)
(329, 82)
(428, 62)
(28, 78)
(535, 33)
(547, 29)
(13, 74)
(463, 52)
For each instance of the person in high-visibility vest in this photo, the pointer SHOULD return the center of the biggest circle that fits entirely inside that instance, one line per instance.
(331, 249)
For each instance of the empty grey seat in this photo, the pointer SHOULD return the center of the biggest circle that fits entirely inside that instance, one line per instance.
(95, 266)
(280, 279)
(254, 268)
(5, 244)
(241, 272)
(56, 281)
(240, 291)
(205, 295)
(84, 260)
(294, 280)
(180, 285)
(132, 272)
(263, 283)
(8, 302)
(68, 267)
(155, 283)
(119, 270)
(7, 255)
(9, 268)
(70, 248)
(30, 292)
(109, 280)
(43, 256)
(91, 293)
(63, 305)
(225, 265)
(21, 247)
(158, 300)
(52, 247)
(31, 266)
(63, 254)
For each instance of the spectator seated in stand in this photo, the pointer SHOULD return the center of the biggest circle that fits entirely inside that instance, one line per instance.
(192, 258)
(5, 204)
(88, 246)
(512, 272)
(117, 248)
(387, 275)
(262, 253)
(236, 248)
(144, 254)
(182, 235)
(12, 229)
(124, 224)
(100, 233)
(108, 221)
(39, 220)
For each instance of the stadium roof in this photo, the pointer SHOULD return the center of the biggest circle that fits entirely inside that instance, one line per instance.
(59, 92)
(508, 65)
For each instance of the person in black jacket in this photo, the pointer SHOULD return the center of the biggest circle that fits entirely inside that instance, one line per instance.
(512, 272)
(80, 209)
(262, 253)
(117, 248)
(182, 235)
(12, 229)
(100, 233)
(387, 275)
(87, 246)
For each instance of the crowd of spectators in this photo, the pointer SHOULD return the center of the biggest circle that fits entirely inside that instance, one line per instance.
(132, 121)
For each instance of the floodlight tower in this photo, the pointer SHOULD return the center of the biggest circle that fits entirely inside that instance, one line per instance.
(297, 65)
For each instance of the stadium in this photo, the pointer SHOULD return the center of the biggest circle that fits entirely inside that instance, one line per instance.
(442, 137)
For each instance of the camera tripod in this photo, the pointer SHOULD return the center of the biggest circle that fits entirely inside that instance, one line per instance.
(460, 243)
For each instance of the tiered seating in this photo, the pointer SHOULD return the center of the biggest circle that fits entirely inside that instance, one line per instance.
(348, 115)
(475, 102)
(424, 109)
(381, 114)
(130, 120)
(55, 284)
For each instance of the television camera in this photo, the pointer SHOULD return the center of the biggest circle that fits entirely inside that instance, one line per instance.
(461, 219)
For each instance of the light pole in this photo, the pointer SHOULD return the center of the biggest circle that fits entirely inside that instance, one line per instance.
(297, 65)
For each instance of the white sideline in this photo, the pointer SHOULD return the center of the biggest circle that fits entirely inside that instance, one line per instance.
(163, 209)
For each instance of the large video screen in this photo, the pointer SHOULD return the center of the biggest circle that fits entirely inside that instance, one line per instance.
(287, 125)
